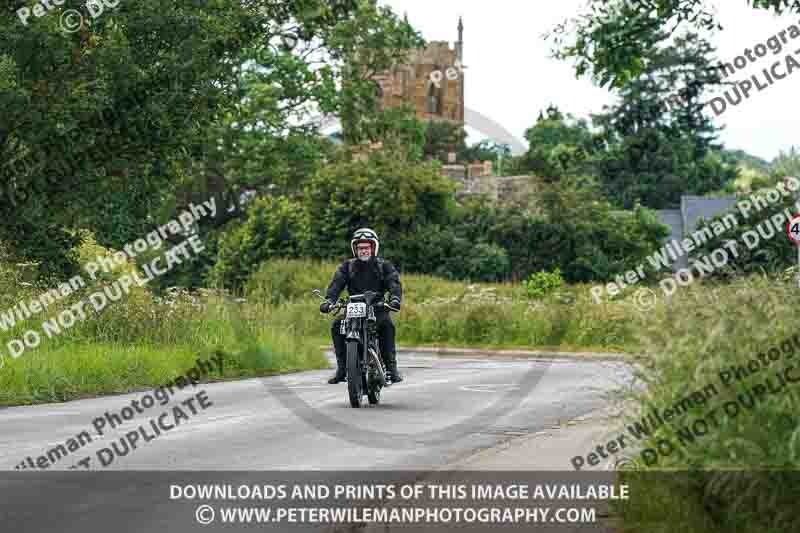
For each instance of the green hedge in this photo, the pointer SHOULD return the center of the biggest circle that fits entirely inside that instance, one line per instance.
(423, 230)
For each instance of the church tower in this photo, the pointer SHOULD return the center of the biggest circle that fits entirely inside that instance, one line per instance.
(460, 42)
(431, 81)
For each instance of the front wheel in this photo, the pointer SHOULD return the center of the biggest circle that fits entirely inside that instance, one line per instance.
(374, 385)
(354, 377)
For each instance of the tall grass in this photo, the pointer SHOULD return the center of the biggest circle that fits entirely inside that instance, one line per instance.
(143, 340)
(685, 344)
(452, 313)
(704, 331)
(681, 346)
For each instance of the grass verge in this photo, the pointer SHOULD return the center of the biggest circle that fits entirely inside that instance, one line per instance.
(717, 357)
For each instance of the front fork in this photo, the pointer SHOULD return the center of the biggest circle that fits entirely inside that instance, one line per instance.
(355, 335)
(366, 335)
(372, 344)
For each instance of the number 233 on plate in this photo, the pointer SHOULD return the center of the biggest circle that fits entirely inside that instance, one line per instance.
(356, 310)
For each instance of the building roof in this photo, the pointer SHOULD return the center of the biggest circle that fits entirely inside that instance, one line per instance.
(693, 208)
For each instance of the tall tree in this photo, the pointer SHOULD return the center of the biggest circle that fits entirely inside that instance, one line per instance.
(559, 145)
(100, 127)
(787, 163)
(660, 142)
(443, 137)
(268, 143)
(378, 41)
(488, 150)
(611, 38)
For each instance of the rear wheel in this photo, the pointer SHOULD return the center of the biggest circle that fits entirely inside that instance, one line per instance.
(353, 375)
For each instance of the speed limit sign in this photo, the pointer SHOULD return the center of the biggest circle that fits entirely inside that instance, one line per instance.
(793, 229)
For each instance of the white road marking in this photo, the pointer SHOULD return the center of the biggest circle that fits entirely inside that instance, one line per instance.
(490, 387)
(229, 417)
(33, 414)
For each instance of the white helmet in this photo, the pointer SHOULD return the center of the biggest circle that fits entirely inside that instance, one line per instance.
(365, 234)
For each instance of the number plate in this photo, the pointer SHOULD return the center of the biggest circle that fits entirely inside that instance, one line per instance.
(356, 310)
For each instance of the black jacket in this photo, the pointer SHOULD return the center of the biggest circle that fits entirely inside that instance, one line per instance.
(358, 276)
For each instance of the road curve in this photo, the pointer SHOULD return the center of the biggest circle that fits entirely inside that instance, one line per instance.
(292, 429)
(256, 424)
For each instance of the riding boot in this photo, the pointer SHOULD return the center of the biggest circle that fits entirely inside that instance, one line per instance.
(392, 374)
(340, 348)
(341, 370)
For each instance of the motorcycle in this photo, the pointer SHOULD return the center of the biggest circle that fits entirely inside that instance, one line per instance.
(366, 370)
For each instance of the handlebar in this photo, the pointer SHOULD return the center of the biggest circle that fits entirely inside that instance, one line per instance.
(342, 303)
(387, 306)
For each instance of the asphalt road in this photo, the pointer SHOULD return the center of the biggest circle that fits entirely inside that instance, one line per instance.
(447, 409)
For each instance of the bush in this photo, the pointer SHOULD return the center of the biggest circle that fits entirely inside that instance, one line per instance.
(588, 240)
(282, 280)
(442, 251)
(389, 195)
(543, 283)
(274, 227)
(771, 254)
(576, 231)
(487, 262)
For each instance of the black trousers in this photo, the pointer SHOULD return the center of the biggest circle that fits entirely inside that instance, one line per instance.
(383, 325)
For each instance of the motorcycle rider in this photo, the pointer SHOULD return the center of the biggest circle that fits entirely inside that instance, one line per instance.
(366, 272)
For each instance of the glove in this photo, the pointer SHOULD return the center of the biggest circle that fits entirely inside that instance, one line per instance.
(325, 307)
(394, 302)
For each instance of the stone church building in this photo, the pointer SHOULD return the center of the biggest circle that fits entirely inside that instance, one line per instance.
(440, 97)
(422, 82)
(432, 82)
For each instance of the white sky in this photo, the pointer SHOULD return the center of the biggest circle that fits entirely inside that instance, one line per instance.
(510, 76)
